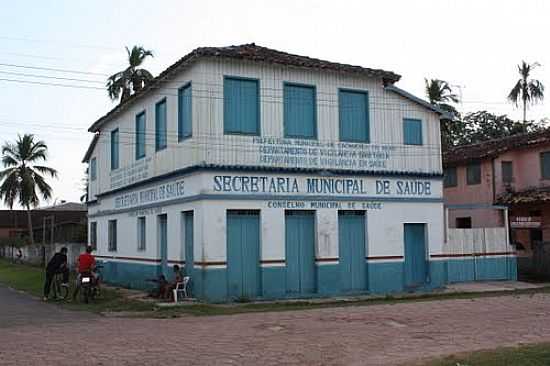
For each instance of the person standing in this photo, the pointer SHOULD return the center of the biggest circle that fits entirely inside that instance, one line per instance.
(58, 264)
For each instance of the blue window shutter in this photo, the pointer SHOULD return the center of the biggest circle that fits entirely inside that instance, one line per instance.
(412, 131)
(160, 125)
(354, 115)
(299, 111)
(93, 169)
(114, 149)
(140, 135)
(241, 107)
(185, 120)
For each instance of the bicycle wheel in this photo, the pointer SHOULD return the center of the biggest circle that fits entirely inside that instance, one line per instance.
(63, 292)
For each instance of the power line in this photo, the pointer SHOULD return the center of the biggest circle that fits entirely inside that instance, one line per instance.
(50, 77)
(69, 71)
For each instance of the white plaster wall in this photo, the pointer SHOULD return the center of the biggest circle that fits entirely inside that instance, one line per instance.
(210, 145)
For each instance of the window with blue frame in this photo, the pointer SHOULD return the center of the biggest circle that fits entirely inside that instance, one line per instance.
(412, 131)
(140, 135)
(354, 115)
(114, 149)
(185, 121)
(300, 114)
(241, 106)
(160, 125)
(93, 169)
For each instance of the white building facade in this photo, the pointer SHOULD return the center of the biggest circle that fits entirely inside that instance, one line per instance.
(269, 175)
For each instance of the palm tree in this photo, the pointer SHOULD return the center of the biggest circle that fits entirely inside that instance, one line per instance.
(529, 91)
(22, 176)
(440, 94)
(132, 78)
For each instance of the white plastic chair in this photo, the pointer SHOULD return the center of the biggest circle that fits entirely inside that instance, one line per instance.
(181, 287)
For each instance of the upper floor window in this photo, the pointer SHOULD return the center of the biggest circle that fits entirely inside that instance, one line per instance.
(140, 135)
(412, 131)
(473, 174)
(185, 120)
(354, 115)
(449, 177)
(545, 165)
(93, 169)
(160, 125)
(507, 171)
(300, 111)
(114, 149)
(241, 106)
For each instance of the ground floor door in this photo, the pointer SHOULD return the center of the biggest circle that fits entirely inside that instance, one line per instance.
(162, 224)
(351, 242)
(415, 255)
(300, 252)
(243, 254)
(188, 242)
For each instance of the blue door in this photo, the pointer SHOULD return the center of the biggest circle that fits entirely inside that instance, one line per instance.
(415, 255)
(243, 254)
(351, 241)
(163, 243)
(300, 252)
(188, 242)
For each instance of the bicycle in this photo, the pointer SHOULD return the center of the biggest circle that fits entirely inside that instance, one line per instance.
(60, 291)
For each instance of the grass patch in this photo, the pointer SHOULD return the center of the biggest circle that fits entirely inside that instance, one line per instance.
(526, 355)
(30, 279)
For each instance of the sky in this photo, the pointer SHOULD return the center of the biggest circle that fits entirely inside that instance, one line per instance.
(474, 45)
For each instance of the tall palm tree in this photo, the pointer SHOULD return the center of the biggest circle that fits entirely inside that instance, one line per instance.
(23, 175)
(439, 92)
(529, 91)
(132, 78)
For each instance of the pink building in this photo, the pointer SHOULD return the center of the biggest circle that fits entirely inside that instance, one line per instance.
(512, 171)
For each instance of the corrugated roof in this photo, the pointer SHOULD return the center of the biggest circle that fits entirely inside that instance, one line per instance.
(492, 148)
(248, 52)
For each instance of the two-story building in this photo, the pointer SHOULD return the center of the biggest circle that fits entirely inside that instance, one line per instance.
(267, 175)
(513, 171)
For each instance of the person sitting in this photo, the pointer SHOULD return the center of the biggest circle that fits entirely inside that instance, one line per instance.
(178, 278)
(58, 264)
(85, 264)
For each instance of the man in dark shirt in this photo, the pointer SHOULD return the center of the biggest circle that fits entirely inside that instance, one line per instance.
(58, 264)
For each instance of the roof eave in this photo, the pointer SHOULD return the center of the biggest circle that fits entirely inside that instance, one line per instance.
(444, 115)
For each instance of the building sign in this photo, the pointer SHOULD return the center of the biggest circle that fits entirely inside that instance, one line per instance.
(131, 173)
(275, 151)
(526, 222)
(319, 192)
(322, 186)
(158, 193)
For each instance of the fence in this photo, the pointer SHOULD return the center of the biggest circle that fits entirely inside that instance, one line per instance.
(482, 251)
(34, 254)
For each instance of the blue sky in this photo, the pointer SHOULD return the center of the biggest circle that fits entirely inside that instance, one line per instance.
(475, 45)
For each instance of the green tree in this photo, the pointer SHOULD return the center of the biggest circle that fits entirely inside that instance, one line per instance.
(23, 174)
(440, 94)
(482, 126)
(529, 91)
(133, 78)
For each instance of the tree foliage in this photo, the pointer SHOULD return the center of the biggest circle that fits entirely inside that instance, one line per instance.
(23, 178)
(132, 79)
(482, 126)
(528, 91)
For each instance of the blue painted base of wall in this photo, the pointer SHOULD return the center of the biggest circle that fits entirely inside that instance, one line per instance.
(382, 278)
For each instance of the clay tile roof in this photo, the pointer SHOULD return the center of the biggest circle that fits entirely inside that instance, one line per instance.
(527, 196)
(248, 52)
(492, 148)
